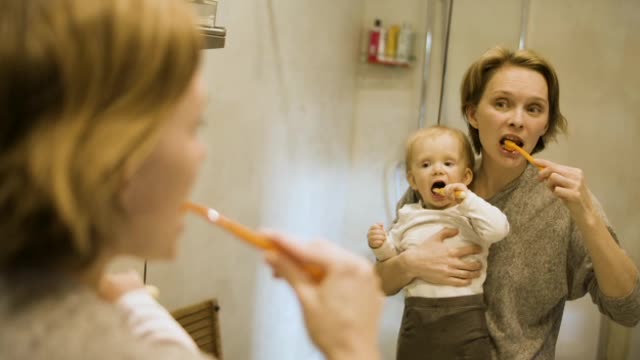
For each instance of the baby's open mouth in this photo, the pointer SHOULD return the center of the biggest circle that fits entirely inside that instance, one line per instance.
(436, 186)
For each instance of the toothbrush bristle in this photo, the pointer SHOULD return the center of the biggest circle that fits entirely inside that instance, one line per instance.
(213, 215)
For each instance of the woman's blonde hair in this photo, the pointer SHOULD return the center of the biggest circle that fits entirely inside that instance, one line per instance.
(85, 87)
(480, 73)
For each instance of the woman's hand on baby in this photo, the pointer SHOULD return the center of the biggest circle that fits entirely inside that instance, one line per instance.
(435, 262)
(568, 184)
(113, 285)
(376, 235)
(342, 312)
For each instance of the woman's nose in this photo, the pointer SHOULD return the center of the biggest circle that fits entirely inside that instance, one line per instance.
(516, 119)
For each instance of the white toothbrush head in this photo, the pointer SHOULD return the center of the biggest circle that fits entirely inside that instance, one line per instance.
(213, 215)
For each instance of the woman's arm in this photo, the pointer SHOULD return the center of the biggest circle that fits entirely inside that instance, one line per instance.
(616, 273)
(394, 273)
(431, 261)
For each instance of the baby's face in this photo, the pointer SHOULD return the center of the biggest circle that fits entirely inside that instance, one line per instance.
(436, 162)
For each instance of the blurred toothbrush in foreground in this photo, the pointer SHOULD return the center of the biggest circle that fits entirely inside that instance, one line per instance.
(252, 237)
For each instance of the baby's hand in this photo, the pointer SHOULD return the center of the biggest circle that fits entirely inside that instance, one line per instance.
(376, 236)
(456, 191)
(113, 285)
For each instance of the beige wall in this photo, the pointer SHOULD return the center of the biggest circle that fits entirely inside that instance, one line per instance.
(386, 110)
(279, 132)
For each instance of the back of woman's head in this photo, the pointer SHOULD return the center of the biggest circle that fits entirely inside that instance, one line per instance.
(85, 86)
(479, 74)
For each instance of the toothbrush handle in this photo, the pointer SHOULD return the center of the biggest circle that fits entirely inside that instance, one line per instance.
(459, 194)
(527, 156)
(244, 233)
(512, 146)
(315, 271)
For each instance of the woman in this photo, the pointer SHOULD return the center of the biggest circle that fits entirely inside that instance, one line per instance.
(560, 246)
(99, 102)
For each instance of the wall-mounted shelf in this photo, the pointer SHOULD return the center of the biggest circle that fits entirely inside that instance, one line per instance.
(390, 63)
(390, 46)
(214, 36)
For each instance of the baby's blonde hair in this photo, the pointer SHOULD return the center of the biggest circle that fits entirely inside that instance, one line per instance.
(86, 85)
(412, 196)
(432, 131)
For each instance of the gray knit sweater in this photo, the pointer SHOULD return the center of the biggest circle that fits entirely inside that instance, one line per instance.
(54, 319)
(540, 265)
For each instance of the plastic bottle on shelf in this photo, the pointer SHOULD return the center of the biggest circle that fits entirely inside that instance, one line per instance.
(374, 40)
(392, 43)
(382, 45)
(405, 42)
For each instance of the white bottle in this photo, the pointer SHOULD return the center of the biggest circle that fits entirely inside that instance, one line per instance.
(405, 44)
(382, 44)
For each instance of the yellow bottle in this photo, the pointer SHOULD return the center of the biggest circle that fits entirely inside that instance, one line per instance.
(392, 43)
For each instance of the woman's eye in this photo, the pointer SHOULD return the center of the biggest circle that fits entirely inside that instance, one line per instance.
(501, 104)
(535, 109)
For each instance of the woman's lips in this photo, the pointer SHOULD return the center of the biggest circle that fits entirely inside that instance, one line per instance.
(514, 139)
(508, 153)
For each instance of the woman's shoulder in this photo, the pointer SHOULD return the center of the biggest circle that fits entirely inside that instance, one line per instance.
(528, 198)
(524, 188)
(70, 323)
(65, 322)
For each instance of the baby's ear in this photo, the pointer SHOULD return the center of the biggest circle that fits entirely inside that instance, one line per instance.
(412, 181)
(468, 176)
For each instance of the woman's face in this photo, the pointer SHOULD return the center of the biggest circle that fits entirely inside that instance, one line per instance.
(154, 194)
(514, 106)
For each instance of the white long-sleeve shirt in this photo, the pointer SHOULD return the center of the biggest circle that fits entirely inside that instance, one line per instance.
(478, 223)
(150, 321)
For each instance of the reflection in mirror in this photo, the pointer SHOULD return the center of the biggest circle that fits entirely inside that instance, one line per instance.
(328, 160)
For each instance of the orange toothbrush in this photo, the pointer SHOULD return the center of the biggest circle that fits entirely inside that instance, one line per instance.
(254, 238)
(458, 193)
(511, 146)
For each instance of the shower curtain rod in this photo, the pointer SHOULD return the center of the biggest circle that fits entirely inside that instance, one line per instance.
(445, 57)
(426, 64)
(524, 19)
(428, 49)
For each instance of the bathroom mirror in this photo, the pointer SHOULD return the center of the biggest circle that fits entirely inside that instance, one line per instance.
(305, 137)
